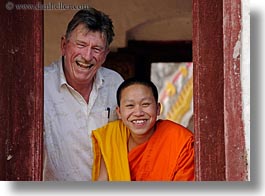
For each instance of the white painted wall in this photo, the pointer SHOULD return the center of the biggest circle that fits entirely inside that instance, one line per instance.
(245, 75)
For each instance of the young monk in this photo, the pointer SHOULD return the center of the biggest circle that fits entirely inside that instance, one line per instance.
(138, 147)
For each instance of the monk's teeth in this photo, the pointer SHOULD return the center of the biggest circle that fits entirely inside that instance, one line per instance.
(138, 121)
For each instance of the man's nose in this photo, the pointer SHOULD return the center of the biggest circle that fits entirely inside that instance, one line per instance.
(87, 53)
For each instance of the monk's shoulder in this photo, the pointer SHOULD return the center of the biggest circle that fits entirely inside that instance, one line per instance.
(173, 128)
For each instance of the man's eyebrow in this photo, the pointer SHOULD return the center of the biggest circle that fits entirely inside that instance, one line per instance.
(80, 41)
(85, 43)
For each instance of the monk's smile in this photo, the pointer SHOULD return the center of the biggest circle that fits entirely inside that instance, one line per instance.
(139, 122)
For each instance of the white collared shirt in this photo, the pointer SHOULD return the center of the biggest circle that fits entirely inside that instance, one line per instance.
(69, 120)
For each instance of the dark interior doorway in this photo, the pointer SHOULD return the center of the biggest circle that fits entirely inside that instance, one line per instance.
(137, 57)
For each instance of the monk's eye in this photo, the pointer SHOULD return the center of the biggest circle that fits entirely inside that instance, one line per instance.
(146, 104)
(129, 105)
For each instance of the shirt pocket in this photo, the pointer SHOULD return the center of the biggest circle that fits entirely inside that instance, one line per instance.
(112, 114)
(102, 116)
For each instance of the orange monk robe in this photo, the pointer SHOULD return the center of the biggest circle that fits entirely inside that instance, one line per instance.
(167, 156)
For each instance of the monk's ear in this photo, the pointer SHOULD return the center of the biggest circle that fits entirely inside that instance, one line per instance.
(118, 112)
(158, 109)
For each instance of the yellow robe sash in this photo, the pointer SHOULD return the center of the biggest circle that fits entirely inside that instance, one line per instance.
(114, 151)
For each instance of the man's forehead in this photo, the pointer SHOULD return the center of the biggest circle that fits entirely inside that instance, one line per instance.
(82, 30)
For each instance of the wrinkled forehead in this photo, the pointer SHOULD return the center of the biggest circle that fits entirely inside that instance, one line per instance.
(82, 30)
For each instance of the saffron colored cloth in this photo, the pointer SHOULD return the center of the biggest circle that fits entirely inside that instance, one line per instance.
(167, 156)
(110, 142)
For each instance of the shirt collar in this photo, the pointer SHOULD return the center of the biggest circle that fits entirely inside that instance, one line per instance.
(62, 78)
(99, 79)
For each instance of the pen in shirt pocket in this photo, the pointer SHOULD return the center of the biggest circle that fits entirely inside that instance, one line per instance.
(108, 110)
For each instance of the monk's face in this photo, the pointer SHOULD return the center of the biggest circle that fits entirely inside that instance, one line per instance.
(138, 109)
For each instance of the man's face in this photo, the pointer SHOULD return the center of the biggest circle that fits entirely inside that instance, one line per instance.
(84, 52)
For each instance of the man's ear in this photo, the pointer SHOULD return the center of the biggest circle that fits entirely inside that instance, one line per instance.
(107, 51)
(63, 45)
(118, 112)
